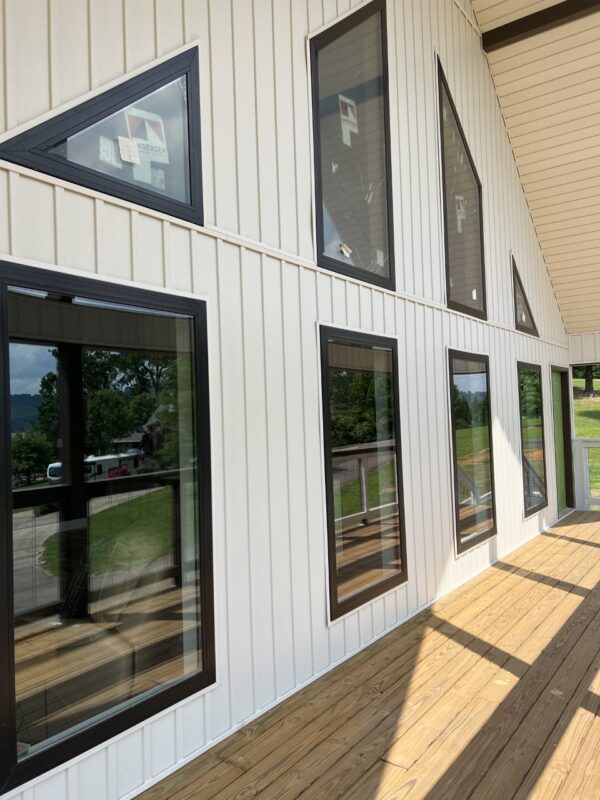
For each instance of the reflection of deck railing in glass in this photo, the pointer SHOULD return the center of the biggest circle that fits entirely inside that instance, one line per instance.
(586, 468)
(535, 486)
(367, 459)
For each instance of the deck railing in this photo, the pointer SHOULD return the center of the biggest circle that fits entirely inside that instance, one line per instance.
(586, 467)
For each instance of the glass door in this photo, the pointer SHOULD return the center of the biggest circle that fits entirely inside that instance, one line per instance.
(562, 439)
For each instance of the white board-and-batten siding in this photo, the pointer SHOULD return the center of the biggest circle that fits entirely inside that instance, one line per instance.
(254, 263)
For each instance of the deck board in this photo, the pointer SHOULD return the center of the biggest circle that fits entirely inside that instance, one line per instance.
(492, 692)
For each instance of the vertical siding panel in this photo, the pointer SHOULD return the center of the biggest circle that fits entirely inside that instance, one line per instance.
(4, 212)
(140, 33)
(278, 500)
(239, 623)
(338, 295)
(27, 58)
(169, 25)
(192, 721)
(302, 131)
(266, 123)
(76, 231)
(223, 114)
(313, 444)
(285, 122)
(31, 199)
(205, 282)
(405, 268)
(178, 262)
(298, 524)
(257, 468)
(245, 118)
(197, 24)
(129, 763)
(114, 241)
(147, 239)
(107, 54)
(3, 77)
(69, 50)
(92, 777)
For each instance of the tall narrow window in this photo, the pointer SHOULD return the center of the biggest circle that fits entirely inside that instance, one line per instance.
(472, 449)
(107, 465)
(362, 467)
(139, 141)
(524, 321)
(351, 145)
(465, 274)
(531, 411)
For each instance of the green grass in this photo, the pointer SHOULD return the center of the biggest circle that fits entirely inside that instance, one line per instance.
(586, 411)
(131, 534)
(380, 490)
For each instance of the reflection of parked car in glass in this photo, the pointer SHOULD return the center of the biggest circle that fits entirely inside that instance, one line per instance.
(99, 467)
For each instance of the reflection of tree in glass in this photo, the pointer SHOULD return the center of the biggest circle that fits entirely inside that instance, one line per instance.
(361, 407)
(31, 454)
(529, 388)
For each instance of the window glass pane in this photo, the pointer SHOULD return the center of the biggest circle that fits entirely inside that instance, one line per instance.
(107, 583)
(353, 150)
(144, 144)
(364, 477)
(532, 438)
(472, 450)
(523, 317)
(463, 223)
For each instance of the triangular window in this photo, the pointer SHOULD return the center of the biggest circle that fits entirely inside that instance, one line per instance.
(523, 317)
(139, 141)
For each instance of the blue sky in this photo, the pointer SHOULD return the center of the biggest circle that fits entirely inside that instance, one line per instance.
(28, 364)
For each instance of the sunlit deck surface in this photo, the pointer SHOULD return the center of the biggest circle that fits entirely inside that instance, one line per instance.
(492, 693)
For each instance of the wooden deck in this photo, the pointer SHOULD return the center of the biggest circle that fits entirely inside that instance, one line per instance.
(493, 693)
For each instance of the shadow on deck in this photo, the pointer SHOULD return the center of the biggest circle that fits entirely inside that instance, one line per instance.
(494, 692)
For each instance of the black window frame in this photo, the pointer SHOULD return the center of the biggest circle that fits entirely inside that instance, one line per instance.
(29, 149)
(338, 609)
(523, 365)
(517, 282)
(316, 44)
(463, 547)
(12, 772)
(452, 304)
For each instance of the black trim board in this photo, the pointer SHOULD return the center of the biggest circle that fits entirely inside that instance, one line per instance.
(522, 365)
(452, 304)
(29, 149)
(567, 429)
(317, 43)
(462, 547)
(338, 609)
(13, 773)
(538, 22)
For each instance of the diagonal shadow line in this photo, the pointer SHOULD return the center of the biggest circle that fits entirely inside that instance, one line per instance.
(466, 772)
(538, 577)
(483, 648)
(570, 539)
(591, 702)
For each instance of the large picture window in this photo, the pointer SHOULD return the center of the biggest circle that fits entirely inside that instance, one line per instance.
(531, 412)
(351, 145)
(463, 226)
(139, 141)
(362, 467)
(472, 449)
(106, 483)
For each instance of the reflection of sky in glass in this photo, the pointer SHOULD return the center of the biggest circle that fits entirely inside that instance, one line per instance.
(28, 364)
(473, 382)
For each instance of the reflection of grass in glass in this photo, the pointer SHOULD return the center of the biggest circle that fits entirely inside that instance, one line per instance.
(133, 533)
(381, 489)
(586, 411)
(473, 456)
(533, 443)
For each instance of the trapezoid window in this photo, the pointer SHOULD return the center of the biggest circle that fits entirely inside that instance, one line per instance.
(472, 449)
(110, 615)
(139, 141)
(351, 145)
(531, 412)
(367, 554)
(463, 226)
(524, 321)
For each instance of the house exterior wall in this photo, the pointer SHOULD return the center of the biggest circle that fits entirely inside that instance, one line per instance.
(584, 348)
(254, 262)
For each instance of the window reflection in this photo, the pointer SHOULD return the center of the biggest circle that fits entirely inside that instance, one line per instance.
(106, 561)
(364, 489)
(532, 437)
(144, 144)
(472, 447)
(353, 170)
(462, 218)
